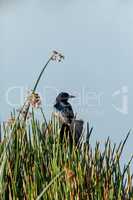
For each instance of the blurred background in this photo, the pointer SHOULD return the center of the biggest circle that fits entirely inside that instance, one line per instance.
(96, 38)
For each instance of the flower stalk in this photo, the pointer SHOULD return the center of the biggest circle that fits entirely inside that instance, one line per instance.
(56, 56)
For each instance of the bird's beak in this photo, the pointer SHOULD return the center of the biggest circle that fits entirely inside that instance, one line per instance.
(71, 96)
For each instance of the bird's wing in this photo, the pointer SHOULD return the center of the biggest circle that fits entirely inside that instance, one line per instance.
(67, 112)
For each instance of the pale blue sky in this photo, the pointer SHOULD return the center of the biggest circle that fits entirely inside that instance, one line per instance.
(96, 38)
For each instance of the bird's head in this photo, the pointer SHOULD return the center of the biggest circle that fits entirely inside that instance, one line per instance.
(63, 97)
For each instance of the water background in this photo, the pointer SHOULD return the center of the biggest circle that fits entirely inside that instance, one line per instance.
(96, 38)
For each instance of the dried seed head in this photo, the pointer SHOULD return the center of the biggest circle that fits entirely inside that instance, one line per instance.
(10, 122)
(23, 112)
(34, 100)
(56, 56)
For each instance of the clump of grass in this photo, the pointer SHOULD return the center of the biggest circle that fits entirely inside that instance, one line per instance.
(38, 167)
(34, 165)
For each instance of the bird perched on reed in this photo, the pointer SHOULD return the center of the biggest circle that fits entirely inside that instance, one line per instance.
(64, 107)
(67, 117)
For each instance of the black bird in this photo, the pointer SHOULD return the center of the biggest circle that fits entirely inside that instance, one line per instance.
(69, 123)
(64, 107)
(66, 114)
